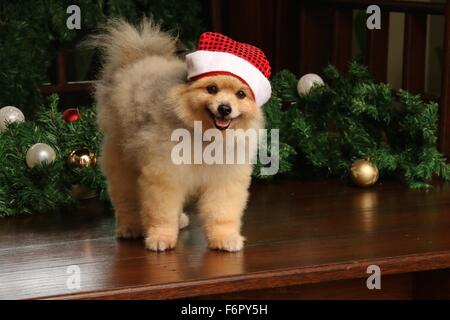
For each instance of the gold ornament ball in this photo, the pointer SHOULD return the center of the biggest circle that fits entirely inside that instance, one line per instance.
(364, 173)
(82, 158)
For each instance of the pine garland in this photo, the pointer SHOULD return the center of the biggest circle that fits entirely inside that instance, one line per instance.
(47, 187)
(351, 118)
(321, 135)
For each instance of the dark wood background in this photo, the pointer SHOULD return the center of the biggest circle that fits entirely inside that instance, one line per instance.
(305, 240)
(305, 36)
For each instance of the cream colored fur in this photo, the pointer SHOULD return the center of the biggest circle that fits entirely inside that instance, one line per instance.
(142, 96)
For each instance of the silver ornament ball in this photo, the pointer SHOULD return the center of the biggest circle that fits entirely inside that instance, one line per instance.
(307, 82)
(40, 153)
(10, 114)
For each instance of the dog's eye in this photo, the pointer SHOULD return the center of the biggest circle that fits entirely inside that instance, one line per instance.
(212, 89)
(241, 94)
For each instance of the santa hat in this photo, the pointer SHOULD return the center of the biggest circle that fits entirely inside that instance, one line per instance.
(218, 54)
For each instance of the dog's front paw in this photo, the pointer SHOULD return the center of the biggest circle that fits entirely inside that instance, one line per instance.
(160, 241)
(231, 243)
(128, 232)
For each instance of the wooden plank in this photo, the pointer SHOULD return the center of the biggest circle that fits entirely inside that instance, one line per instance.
(286, 36)
(342, 38)
(280, 26)
(253, 22)
(385, 5)
(414, 52)
(216, 15)
(61, 67)
(315, 39)
(444, 123)
(301, 39)
(432, 285)
(267, 280)
(377, 49)
(324, 230)
(82, 87)
(394, 287)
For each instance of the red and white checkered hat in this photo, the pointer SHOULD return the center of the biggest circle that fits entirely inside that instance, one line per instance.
(218, 54)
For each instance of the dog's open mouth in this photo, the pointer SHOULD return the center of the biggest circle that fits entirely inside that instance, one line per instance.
(220, 122)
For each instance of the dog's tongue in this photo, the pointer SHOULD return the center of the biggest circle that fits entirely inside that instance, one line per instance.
(222, 123)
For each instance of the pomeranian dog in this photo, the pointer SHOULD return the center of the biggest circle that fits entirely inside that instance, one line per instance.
(142, 96)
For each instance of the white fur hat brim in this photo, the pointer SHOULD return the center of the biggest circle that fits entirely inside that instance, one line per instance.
(204, 62)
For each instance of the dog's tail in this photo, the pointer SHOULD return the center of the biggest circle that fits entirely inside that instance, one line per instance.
(122, 43)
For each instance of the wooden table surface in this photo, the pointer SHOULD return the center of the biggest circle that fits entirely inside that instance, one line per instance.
(298, 233)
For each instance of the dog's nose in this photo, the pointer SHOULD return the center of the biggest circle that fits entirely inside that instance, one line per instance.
(224, 110)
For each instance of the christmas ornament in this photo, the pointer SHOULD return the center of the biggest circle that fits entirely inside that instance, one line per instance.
(40, 153)
(10, 114)
(71, 115)
(82, 158)
(218, 54)
(306, 82)
(364, 173)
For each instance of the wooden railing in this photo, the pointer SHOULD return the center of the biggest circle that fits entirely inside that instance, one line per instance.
(414, 48)
(70, 92)
(306, 35)
(444, 124)
(385, 5)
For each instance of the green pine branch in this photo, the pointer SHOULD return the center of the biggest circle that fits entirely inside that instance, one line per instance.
(350, 118)
(46, 187)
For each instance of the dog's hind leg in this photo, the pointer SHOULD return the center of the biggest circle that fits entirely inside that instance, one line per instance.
(162, 201)
(122, 189)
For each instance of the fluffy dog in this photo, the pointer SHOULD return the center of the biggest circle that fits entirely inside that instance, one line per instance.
(142, 97)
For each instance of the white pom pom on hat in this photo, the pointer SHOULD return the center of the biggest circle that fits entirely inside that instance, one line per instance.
(218, 54)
